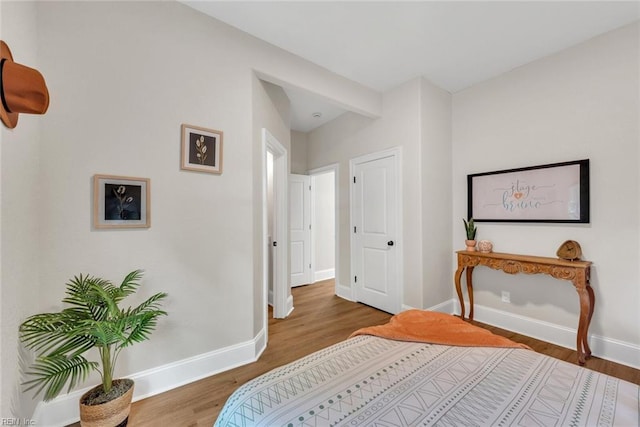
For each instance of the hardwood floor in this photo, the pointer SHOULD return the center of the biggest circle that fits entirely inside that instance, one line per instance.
(319, 319)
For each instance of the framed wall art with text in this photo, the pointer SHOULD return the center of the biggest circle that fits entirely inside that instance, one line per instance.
(557, 192)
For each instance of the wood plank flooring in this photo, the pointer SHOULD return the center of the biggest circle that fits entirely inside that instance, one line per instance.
(319, 319)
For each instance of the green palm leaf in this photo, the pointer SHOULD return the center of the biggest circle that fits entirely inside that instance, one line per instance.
(152, 304)
(139, 327)
(52, 373)
(44, 331)
(130, 283)
(93, 319)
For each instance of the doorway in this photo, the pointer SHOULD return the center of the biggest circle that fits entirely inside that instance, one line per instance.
(324, 229)
(274, 224)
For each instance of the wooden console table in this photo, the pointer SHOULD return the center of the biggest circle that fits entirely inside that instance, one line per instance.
(575, 271)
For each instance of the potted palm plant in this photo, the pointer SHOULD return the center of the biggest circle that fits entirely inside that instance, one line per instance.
(470, 229)
(92, 320)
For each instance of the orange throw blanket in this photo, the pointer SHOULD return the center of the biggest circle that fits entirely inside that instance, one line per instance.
(436, 328)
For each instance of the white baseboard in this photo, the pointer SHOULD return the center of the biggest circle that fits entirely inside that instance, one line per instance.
(289, 305)
(603, 347)
(329, 273)
(260, 345)
(344, 292)
(63, 410)
(443, 307)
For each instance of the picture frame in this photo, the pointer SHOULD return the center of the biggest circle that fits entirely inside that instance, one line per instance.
(201, 149)
(121, 202)
(552, 193)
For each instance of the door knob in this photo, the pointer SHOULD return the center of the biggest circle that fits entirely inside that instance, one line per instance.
(390, 243)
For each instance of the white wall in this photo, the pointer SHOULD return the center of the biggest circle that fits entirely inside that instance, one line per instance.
(435, 176)
(299, 153)
(20, 193)
(123, 76)
(579, 103)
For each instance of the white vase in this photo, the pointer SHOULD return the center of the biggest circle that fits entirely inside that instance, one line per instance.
(485, 246)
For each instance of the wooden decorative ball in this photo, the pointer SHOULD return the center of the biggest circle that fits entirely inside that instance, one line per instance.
(569, 250)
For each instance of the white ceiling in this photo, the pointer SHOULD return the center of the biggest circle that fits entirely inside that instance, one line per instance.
(454, 44)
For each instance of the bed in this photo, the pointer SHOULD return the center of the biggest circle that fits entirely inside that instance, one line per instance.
(402, 374)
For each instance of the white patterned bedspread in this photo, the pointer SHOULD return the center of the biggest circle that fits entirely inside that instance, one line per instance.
(370, 381)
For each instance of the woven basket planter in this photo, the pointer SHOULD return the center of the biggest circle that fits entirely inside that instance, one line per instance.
(114, 413)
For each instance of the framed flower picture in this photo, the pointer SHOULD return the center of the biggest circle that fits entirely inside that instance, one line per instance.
(201, 149)
(121, 202)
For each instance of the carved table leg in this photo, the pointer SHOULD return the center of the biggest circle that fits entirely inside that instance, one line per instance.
(456, 279)
(583, 325)
(470, 291)
(592, 303)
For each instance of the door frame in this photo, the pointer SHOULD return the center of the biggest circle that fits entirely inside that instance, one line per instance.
(396, 153)
(280, 235)
(334, 167)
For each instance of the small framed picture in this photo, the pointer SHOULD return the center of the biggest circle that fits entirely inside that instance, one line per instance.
(201, 149)
(121, 202)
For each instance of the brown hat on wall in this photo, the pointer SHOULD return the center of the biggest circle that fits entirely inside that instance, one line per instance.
(22, 89)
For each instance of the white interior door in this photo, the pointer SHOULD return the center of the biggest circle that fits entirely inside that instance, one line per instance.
(300, 229)
(375, 215)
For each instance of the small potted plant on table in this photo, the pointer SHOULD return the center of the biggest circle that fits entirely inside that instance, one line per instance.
(93, 320)
(471, 229)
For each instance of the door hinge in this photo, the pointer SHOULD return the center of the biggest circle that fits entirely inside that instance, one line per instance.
(309, 226)
(355, 279)
(309, 266)
(354, 179)
(275, 243)
(309, 188)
